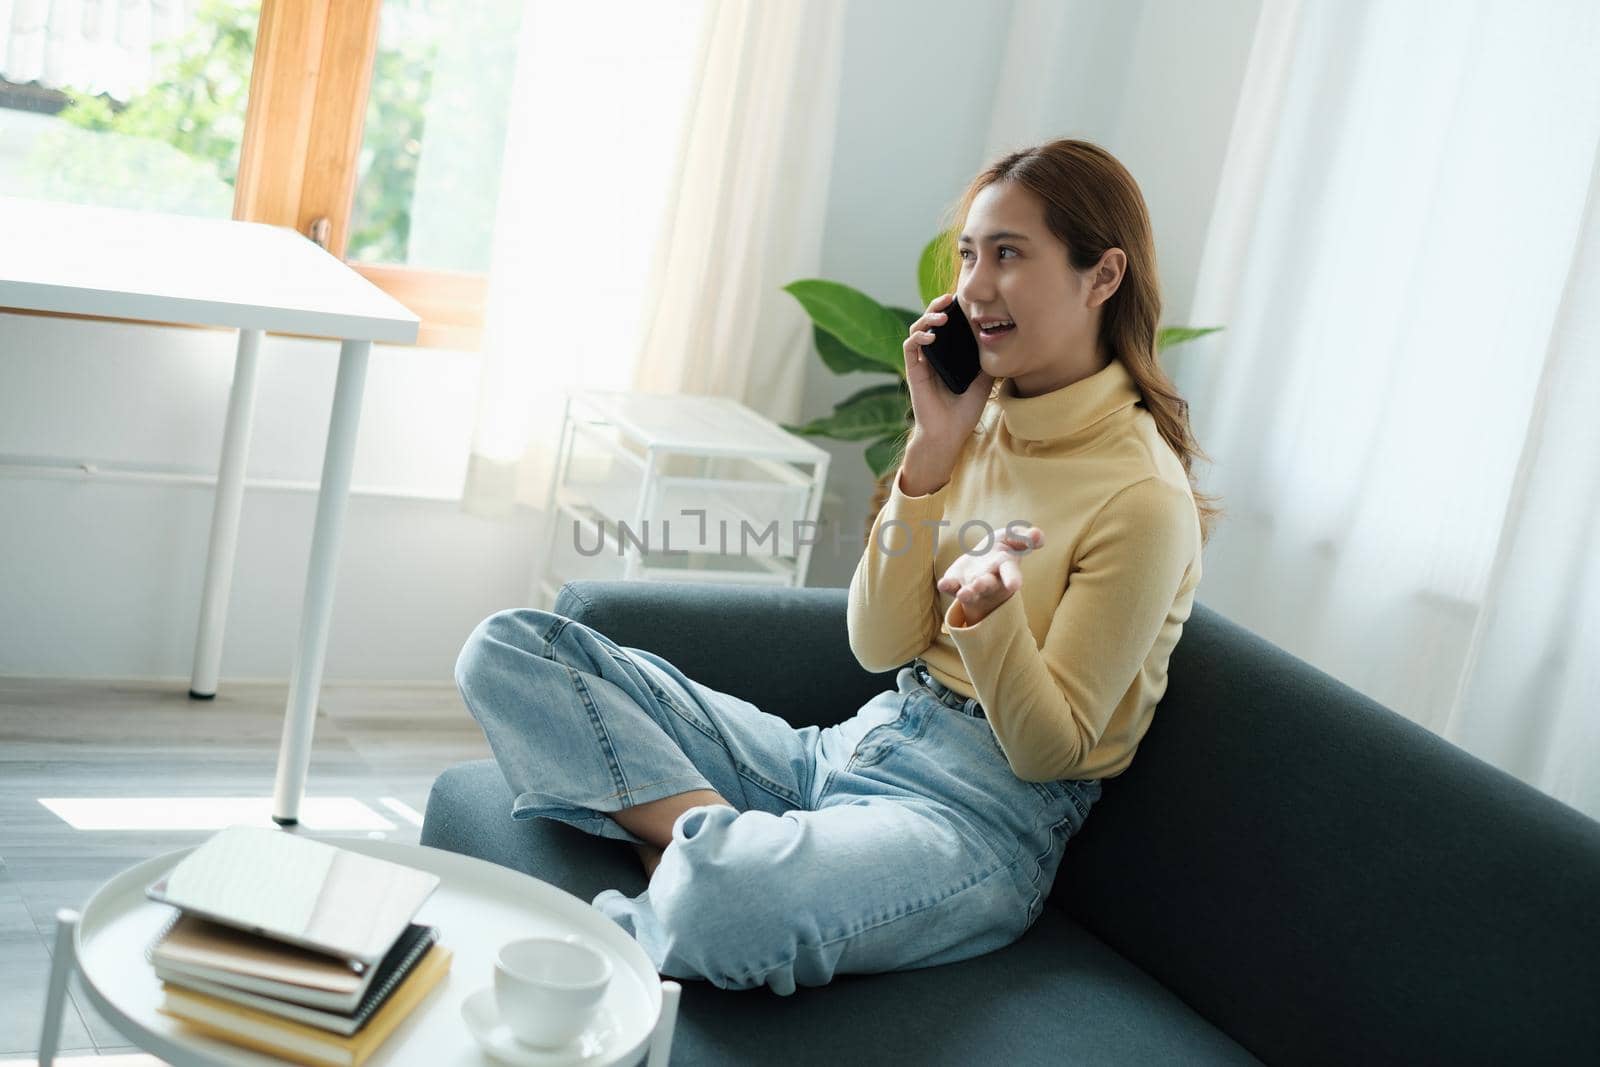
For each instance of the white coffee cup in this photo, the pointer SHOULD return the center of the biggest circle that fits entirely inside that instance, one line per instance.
(548, 988)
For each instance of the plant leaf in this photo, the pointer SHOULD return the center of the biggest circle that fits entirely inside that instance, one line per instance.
(1168, 336)
(860, 322)
(881, 453)
(935, 271)
(909, 316)
(841, 358)
(872, 412)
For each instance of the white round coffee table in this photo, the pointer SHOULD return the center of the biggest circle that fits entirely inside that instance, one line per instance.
(477, 907)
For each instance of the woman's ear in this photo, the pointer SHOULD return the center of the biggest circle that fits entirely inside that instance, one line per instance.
(1108, 274)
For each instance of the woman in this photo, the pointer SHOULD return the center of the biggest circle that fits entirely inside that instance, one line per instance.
(928, 827)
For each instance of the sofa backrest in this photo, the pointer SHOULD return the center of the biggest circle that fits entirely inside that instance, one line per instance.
(1322, 877)
(785, 650)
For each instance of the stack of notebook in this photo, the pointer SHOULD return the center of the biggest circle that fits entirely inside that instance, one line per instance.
(293, 946)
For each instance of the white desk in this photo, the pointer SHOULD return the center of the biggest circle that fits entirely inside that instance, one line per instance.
(217, 272)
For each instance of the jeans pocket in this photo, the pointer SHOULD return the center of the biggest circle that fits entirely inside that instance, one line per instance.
(1037, 871)
(881, 740)
(1082, 792)
(1051, 791)
(872, 747)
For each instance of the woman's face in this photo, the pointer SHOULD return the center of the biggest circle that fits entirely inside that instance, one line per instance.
(1013, 267)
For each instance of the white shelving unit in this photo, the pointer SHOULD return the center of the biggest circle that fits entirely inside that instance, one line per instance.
(680, 488)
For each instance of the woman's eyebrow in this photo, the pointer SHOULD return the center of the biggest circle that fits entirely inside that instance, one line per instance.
(996, 236)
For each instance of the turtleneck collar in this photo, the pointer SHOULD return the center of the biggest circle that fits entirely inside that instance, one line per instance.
(1063, 412)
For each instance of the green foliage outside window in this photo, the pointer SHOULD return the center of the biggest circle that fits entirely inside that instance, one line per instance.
(196, 105)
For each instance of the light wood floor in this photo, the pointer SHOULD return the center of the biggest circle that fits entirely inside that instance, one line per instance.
(70, 739)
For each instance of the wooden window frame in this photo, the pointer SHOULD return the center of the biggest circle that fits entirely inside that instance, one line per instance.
(309, 81)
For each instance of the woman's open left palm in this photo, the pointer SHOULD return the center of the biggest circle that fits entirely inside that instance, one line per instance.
(983, 582)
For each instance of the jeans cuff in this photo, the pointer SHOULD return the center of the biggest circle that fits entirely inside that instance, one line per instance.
(594, 818)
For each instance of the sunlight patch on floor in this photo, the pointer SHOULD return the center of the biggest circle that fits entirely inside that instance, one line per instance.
(211, 813)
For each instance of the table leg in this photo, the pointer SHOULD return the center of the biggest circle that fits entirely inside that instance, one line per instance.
(305, 681)
(61, 964)
(225, 518)
(661, 1039)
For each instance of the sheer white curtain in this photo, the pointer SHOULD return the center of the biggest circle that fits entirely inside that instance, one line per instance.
(598, 100)
(95, 46)
(746, 212)
(665, 176)
(1401, 410)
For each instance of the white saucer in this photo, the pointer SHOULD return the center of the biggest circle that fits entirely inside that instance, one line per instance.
(599, 1040)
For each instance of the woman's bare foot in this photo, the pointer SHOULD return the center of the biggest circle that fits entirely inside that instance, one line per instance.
(649, 855)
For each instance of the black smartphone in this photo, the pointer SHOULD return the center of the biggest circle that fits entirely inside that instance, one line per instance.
(954, 351)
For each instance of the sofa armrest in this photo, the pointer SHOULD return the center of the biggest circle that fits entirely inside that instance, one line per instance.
(786, 650)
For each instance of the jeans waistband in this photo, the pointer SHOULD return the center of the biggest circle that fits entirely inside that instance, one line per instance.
(947, 696)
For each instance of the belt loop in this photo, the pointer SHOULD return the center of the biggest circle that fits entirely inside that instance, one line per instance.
(944, 694)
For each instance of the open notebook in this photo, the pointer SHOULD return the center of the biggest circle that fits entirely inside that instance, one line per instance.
(299, 891)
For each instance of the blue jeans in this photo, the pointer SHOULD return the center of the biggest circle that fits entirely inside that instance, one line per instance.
(897, 839)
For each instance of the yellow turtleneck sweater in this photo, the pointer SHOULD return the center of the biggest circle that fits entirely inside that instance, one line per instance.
(1070, 668)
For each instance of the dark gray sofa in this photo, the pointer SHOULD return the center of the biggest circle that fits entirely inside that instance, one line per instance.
(1287, 873)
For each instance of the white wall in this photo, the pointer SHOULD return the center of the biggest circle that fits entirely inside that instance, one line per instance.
(1155, 82)
(100, 576)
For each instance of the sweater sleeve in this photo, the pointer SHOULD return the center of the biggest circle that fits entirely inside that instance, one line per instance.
(893, 612)
(1049, 703)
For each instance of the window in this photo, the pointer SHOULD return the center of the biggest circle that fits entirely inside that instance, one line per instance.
(374, 125)
(138, 104)
(429, 170)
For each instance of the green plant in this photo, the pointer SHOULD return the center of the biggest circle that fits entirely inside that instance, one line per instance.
(855, 333)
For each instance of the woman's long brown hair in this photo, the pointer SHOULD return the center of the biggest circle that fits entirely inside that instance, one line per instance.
(1091, 203)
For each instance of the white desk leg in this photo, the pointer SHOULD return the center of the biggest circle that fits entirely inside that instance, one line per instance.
(61, 964)
(225, 518)
(305, 682)
(661, 1040)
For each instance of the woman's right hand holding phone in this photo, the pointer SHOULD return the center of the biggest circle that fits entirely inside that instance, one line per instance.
(944, 420)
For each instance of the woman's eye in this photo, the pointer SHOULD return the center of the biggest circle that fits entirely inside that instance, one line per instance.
(1003, 248)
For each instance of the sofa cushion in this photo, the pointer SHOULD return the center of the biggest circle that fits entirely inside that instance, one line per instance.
(1056, 995)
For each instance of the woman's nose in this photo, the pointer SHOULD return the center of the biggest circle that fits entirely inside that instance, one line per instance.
(975, 296)
(975, 287)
